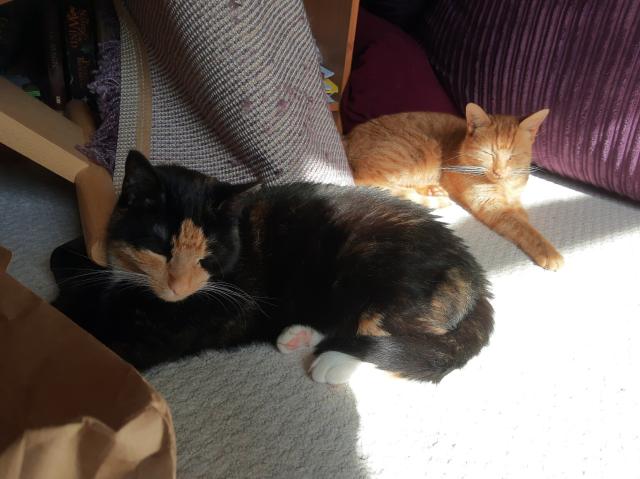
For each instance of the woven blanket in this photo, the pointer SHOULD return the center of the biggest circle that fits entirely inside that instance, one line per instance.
(229, 88)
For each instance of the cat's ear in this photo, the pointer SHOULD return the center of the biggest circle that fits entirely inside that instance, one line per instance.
(532, 122)
(476, 118)
(141, 185)
(225, 191)
(229, 197)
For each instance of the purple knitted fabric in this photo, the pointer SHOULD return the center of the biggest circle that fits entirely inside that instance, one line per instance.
(579, 58)
(106, 87)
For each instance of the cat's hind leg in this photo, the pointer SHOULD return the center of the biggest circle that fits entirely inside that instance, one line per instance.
(297, 337)
(423, 358)
(333, 367)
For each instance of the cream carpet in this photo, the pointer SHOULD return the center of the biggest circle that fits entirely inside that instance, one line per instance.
(555, 395)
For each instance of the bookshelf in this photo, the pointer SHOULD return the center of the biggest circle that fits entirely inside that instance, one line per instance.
(333, 24)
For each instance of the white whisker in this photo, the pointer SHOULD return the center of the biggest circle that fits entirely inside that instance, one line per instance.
(458, 156)
(466, 169)
(525, 171)
(211, 295)
(107, 278)
(235, 295)
(223, 297)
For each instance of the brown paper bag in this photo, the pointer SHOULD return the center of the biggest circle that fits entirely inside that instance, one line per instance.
(69, 407)
(5, 257)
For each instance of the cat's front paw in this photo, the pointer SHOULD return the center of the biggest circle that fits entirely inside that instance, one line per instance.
(435, 202)
(433, 196)
(333, 367)
(548, 258)
(297, 337)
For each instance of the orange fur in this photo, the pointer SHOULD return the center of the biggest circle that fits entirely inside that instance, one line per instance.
(171, 280)
(257, 218)
(451, 301)
(371, 325)
(185, 275)
(425, 157)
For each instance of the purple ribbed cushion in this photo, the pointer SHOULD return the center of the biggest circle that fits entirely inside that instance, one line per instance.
(579, 58)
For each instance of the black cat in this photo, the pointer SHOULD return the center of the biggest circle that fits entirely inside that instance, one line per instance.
(196, 263)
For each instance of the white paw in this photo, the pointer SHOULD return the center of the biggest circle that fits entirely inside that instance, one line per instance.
(333, 367)
(297, 337)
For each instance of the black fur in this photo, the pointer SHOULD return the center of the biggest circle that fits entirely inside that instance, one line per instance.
(318, 255)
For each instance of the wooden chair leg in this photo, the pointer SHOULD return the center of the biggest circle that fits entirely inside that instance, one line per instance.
(96, 199)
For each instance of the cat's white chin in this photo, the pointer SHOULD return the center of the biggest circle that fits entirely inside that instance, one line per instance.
(171, 296)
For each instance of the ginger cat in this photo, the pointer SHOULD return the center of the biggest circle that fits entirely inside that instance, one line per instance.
(483, 163)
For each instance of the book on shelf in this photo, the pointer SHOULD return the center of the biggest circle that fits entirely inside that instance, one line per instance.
(25, 83)
(107, 26)
(80, 48)
(329, 87)
(48, 47)
(326, 73)
(55, 92)
(11, 26)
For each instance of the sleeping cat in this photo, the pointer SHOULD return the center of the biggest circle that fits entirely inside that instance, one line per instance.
(483, 163)
(354, 272)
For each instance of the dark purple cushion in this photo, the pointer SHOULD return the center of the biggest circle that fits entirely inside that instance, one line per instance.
(406, 14)
(579, 58)
(390, 74)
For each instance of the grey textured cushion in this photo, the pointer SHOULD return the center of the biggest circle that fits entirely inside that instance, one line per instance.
(234, 90)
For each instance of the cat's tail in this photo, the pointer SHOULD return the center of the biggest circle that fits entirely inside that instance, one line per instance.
(424, 357)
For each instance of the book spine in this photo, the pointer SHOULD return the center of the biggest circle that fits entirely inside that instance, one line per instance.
(55, 91)
(107, 27)
(79, 40)
(10, 27)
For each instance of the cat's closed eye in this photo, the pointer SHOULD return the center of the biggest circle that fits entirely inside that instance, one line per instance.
(160, 231)
(207, 262)
(156, 240)
(154, 244)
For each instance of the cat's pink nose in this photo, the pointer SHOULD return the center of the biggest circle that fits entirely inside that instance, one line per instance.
(498, 173)
(178, 285)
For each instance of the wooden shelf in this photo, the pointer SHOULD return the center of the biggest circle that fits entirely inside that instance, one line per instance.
(333, 24)
(34, 130)
(41, 134)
